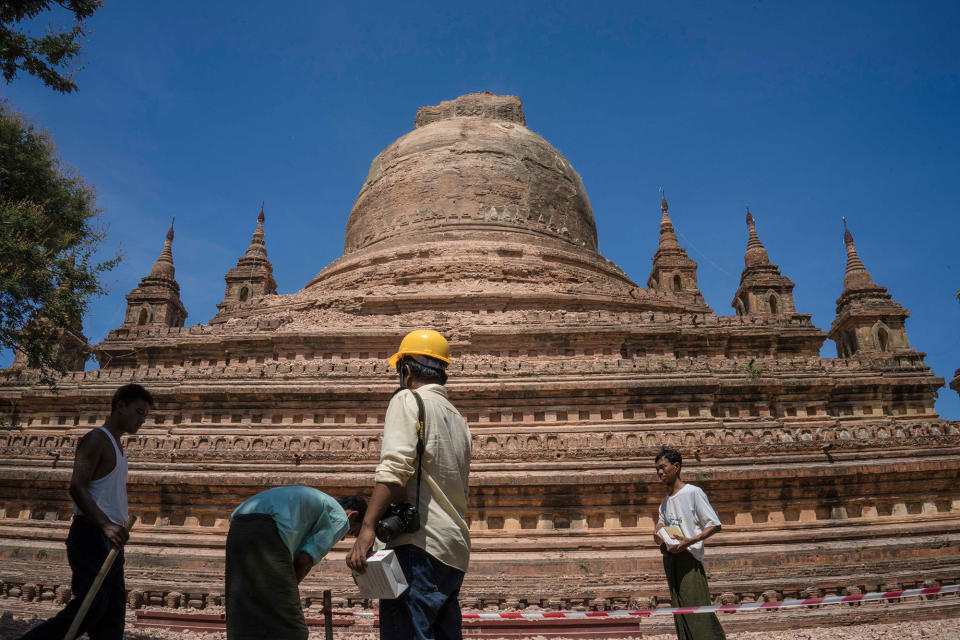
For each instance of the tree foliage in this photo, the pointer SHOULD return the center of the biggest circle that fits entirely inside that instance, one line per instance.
(49, 57)
(47, 242)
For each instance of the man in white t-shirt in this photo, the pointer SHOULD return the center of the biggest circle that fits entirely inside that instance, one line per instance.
(687, 508)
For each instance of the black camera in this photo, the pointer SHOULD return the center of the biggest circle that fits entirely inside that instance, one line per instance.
(400, 517)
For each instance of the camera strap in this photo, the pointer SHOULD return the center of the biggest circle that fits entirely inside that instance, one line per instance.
(421, 419)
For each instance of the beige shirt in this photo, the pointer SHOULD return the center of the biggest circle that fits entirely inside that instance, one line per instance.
(446, 469)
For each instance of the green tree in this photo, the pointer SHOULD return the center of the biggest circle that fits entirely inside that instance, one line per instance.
(47, 243)
(50, 57)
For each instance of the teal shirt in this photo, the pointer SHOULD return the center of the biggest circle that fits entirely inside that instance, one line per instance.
(307, 519)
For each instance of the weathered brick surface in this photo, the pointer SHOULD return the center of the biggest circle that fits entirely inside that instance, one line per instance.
(830, 475)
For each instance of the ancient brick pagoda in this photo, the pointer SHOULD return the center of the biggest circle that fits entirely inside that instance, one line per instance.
(830, 475)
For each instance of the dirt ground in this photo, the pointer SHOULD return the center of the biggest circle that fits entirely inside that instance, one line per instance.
(12, 625)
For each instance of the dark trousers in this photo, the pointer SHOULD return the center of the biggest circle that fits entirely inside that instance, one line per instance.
(428, 609)
(263, 597)
(87, 548)
(688, 588)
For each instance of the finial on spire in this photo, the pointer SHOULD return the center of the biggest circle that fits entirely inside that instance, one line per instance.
(668, 239)
(164, 264)
(257, 247)
(756, 254)
(856, 276)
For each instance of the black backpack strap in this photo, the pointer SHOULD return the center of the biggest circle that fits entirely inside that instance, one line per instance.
(421, 421)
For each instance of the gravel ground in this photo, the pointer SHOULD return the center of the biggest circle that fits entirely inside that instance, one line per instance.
(13, 625)
(939, 629)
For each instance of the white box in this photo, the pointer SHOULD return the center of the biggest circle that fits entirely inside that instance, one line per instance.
(383, 578)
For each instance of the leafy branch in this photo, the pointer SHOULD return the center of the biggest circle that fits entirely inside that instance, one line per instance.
(50, 57)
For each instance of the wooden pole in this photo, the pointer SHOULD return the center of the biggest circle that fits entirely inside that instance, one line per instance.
(95, 587)
(327, 615)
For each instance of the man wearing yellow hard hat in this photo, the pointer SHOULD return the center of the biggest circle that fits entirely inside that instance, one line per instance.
(420, 496)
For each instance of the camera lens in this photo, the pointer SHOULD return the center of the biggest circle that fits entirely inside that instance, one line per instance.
(388, 528)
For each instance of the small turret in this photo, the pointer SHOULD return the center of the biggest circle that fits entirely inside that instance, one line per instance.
(868, 321)
(65, 344)
(156, 301)
(253, 275)
(672, 269)
(763, 290)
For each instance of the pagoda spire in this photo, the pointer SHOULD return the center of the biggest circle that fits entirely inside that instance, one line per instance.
(763, 289)
(668, 239)
(252, 277)
(856, 275)
(257, 246)
(868, 320)
(155, 302)
(70, 347)
(163, 267)
(756, 253)
(673, 270)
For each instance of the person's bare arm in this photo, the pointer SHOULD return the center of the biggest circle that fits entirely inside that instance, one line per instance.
(88, 456)
(383, 495)
(302, 565)
(686, 542)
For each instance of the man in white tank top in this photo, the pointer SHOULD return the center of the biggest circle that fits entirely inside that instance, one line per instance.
(99, 491)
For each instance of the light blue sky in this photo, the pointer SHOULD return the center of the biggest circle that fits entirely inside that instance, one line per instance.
(805, 111)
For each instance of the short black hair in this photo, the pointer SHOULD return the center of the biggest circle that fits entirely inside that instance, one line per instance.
(130, 393)
(671, 455)
(354, 503)
(422, 372)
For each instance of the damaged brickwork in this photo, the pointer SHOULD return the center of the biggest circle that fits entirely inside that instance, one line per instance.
(831, 475)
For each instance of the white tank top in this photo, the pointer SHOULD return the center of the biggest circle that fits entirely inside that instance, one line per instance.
(110, 491)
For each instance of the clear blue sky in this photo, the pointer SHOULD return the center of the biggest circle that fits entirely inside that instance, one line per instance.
(805, 111)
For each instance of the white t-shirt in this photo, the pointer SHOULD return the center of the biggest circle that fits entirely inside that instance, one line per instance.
(690, 510)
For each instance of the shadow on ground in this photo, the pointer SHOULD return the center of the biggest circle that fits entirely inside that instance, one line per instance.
(12, 627)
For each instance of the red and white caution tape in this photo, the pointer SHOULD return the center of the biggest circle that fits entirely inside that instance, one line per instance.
(669, 611)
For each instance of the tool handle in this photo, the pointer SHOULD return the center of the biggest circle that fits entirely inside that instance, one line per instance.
(327, 615)
(97, 583)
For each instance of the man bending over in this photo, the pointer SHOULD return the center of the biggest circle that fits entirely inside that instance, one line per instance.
(275, 538)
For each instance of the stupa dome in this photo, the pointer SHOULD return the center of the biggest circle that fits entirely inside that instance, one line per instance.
(472, 199)
(471, 166)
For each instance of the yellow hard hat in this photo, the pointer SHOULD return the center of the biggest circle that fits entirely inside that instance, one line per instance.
(422, 342)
